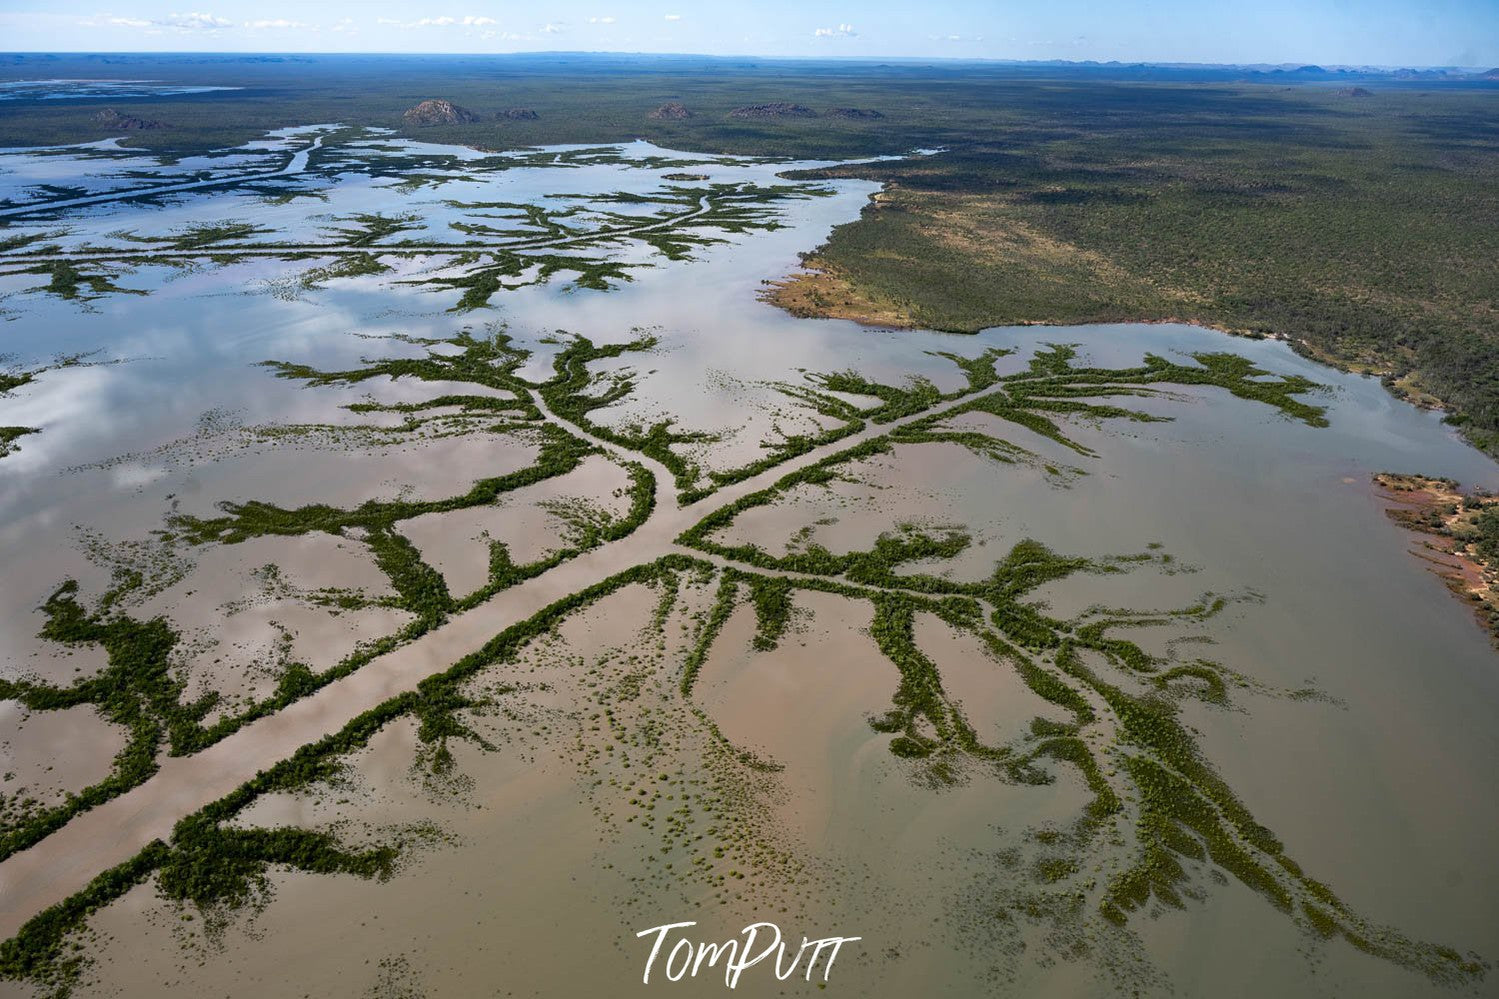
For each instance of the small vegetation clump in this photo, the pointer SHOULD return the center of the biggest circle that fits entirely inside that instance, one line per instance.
(19, 378)
(9, 436)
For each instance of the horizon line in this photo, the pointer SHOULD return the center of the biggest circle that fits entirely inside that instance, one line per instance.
(920, 60)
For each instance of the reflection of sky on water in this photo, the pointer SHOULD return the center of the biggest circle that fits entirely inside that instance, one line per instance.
(62, 90)
(105, 166)
(339, 186)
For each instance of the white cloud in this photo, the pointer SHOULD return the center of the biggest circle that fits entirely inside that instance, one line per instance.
(842, 31)
(196, 21)
(552, 29)
(601, 20)
(443, 21)
(673, 17)
(280, 23)
(193, 21)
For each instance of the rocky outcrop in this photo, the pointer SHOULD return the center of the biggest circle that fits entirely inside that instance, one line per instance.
(670, 111)
(438, 112)
(110, 118)
(858, 113)
(776, 109)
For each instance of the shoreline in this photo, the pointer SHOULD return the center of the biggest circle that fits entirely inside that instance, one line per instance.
(1454, 537)
(814, 280)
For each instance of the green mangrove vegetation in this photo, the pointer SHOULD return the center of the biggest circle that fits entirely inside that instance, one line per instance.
(10, 381)
(136, 690)
(67, 281)
(9, 436)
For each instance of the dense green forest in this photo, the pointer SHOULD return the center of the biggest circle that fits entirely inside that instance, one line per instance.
(1366, 232)
(1361, 223)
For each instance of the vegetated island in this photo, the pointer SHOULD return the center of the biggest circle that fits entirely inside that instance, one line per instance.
(1462, 536)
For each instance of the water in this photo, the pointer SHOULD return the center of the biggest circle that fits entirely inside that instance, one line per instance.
(1378, 786)
(72, 90)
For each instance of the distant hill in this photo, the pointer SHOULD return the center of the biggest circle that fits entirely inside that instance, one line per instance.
(110, 118)
(775, 109)
(438, 112)
(670, 111)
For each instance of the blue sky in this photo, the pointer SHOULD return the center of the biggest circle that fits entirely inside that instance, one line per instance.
(1341, 32)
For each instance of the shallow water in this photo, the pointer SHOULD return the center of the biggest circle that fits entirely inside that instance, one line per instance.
(64, 90)
(1379, 786)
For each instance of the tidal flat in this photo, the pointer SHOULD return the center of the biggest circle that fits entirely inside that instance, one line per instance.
(442, 565)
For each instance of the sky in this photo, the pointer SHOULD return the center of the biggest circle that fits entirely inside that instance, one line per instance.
(1326, 32)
